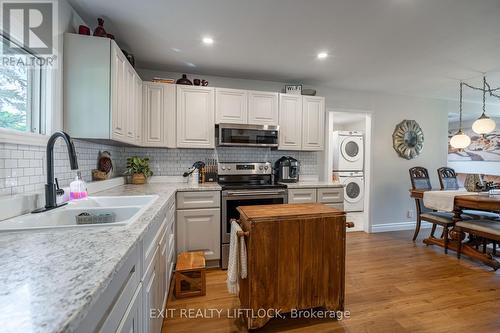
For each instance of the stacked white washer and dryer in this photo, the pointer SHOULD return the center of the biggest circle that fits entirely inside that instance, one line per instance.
(348, 167)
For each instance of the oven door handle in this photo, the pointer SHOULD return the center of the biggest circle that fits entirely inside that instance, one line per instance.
(253, 193)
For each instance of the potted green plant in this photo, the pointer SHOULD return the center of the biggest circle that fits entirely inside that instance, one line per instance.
(139, 169)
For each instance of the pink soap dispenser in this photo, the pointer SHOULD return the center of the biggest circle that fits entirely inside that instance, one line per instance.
(77, 188)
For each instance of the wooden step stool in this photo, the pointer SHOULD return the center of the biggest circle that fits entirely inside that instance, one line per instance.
(190, 274)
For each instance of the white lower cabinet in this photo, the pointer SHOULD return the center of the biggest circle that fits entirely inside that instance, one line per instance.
(330, 196)
(302, 195)
(198, 228)
(135, 300)
(132, 320)
(151, 296)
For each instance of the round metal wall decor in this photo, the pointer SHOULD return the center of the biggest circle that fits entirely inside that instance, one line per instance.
(408, 139)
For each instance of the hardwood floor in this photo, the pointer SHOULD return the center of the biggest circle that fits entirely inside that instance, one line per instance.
(392, 285)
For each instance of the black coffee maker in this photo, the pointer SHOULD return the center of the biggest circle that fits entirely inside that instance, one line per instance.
(286, 170)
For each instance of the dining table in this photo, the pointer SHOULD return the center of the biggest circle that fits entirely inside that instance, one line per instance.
(465, 201)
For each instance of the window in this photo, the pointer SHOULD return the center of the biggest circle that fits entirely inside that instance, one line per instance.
(20, 96)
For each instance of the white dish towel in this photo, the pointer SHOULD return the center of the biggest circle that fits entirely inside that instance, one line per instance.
(237, 264)
(443, 201)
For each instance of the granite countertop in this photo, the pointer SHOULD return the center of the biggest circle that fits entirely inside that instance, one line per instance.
(312, 184)
(51, 278)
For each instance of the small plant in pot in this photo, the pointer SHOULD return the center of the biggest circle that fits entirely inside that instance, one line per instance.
(139, 169)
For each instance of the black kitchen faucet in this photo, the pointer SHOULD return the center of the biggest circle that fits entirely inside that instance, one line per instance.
(50, 187)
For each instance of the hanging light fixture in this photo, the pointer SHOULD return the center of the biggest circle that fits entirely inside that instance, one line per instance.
(484, 124)
(460, 140)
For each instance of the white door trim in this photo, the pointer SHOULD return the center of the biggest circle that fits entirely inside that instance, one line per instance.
(326, 160)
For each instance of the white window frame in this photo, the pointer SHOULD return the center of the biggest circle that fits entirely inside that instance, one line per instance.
(47, 116)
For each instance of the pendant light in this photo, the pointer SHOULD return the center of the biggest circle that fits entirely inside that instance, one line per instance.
(460, 140)
(484, 124)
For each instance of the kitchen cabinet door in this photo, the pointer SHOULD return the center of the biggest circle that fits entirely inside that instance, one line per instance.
(151, 296)
(199, 229)
(132, 320)
(301, 195)
(313, 123)
(262, 108)
(158, 115)
(290, 121)
(138, 109)
(195, 117)
(162, 264)
(231, 106)
(118, 93)
(153, 115)
(130, 110)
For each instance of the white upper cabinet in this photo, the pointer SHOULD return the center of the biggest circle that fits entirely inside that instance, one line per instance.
(130, 97)
(290, 121)
(195, 117)
(231, 106)
(100, 91)
(159, 114)
(138, 108)
(118, 93)
(313, 123)
(262, 108)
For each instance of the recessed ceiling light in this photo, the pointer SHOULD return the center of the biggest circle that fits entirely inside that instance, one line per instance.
(208, 40)
(322, 55)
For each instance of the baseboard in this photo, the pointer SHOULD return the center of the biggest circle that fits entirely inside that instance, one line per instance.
(408, 225)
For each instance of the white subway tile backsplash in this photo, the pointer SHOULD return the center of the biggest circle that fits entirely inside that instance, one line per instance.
(10, 163)
(22, 167)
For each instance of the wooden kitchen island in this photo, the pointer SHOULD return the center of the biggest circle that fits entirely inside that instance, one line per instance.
(296, 259)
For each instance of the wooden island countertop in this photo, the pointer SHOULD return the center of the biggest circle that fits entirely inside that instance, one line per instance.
(295, 259)
(280, 212)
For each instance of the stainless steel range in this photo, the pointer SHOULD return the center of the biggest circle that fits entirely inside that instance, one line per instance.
(244, 184)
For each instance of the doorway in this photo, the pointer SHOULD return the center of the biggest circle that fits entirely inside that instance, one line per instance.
(347, 159)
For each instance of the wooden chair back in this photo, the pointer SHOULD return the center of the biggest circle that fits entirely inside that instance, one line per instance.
(419, 177)
(447, 178)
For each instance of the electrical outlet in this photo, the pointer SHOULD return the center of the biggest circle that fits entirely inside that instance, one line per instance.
(411, 213)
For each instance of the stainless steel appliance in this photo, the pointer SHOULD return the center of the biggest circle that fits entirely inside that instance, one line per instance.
(287, 170)
(248, 135)
(243, 184)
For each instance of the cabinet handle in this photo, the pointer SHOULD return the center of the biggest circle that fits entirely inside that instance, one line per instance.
(349, 224)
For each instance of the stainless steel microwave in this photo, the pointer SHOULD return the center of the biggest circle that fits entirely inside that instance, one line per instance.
(248, 135)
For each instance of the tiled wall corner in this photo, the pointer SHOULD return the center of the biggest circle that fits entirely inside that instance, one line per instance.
(22, 167)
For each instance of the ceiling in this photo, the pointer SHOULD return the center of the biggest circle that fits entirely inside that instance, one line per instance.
(413, 47)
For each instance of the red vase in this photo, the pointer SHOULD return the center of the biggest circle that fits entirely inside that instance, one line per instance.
(84, 30)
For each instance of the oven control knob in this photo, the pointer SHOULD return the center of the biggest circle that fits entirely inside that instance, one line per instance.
(229, 168)
(223, 168)
(266, 167)
(261, 167)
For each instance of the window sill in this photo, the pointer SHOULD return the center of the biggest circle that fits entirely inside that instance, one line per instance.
(23, 138)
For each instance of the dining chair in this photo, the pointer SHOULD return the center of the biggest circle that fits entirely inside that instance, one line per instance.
(447, 178)
(420, 180)
(448, 181)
